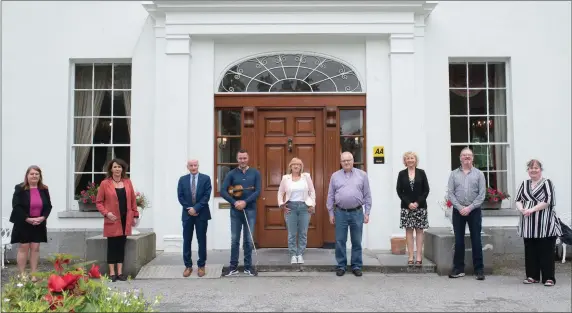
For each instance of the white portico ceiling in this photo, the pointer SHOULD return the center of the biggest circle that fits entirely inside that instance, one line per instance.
(242, 17)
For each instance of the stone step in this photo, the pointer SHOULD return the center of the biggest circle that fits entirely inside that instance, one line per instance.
(170, 265)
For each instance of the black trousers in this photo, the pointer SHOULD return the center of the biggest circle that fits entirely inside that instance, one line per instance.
(539, 258)
(116, 245)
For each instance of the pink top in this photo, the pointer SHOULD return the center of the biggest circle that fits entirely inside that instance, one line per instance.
(36, 203)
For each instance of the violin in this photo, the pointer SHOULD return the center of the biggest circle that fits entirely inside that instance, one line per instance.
(236, 191)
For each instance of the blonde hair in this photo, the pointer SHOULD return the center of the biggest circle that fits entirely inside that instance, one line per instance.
(408, 154)
(294, 161)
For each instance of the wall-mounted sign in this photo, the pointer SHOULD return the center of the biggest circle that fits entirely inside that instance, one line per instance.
(378, 155)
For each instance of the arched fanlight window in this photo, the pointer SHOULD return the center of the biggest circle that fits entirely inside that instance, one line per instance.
(290, 73)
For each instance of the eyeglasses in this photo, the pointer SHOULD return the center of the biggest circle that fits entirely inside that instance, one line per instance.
(346, 161)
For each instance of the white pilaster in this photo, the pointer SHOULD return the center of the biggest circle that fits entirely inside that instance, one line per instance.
(172, 127)
(421, 145)
(160, 132)
(406, 112)
(142, 116)
(201, 126)
(379, 229)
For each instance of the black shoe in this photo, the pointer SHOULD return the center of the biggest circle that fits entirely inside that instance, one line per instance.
(480, 275)
(113, 278)
(121, 277)
(340, 272)
(357, 272)
(232, 272)
(250, 272)
(456, 273)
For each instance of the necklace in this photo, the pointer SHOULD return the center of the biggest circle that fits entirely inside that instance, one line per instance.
(116, 180)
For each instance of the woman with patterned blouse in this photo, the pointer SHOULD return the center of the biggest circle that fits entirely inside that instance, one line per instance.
(413, 188)
(538, 225)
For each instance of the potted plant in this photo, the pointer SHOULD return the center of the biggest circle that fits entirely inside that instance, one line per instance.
(493, 199)
(142, 204)
(86, 199)
(447, 207)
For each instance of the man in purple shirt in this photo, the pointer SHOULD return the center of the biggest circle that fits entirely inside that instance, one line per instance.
(347, 194)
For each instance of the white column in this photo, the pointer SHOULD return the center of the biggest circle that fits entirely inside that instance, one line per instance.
(378, 98)
(172, 127)
(406, 112)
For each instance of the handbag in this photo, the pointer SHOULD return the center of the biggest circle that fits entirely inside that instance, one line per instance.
(566, 233)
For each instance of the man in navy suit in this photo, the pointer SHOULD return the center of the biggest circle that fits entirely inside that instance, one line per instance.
(194, 191)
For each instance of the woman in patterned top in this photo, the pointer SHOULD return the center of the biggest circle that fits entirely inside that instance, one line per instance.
(538, 225)
(413, 189)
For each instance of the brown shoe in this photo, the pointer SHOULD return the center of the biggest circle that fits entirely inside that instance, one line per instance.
(188, 271)
(201, 272)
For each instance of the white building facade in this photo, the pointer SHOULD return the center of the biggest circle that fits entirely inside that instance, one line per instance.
(157, 83)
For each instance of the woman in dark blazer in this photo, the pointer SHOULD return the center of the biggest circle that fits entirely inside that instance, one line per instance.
(31, 206)
(413, 189)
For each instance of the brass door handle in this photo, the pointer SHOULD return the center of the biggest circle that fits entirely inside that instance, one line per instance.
(263, 198)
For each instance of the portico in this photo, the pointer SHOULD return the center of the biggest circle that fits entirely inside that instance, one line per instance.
(198, 41)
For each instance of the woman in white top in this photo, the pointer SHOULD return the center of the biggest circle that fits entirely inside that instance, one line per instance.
(297, 197)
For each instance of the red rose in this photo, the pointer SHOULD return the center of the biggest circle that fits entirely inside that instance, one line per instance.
(449, 203)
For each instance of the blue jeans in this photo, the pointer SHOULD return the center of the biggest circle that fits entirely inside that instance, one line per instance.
(474, 219)
(353, 220)
(297, 221)
(237, 223)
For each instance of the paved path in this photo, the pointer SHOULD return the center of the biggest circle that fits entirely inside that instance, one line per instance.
(374, 292)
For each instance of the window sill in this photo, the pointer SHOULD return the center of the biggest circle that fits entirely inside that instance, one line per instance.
(78, 214)
(501, 212)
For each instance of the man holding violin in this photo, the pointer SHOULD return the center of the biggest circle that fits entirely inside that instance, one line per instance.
(241, 188)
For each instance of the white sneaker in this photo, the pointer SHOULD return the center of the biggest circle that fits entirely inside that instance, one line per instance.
(300, 260)
(294, 260)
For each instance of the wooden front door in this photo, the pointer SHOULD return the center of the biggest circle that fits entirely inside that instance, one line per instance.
(282, 135)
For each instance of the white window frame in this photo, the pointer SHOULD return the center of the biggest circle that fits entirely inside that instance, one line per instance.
(72, 203)
(507, 203)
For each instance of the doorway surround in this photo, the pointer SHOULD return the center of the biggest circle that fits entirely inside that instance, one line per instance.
(185, 37)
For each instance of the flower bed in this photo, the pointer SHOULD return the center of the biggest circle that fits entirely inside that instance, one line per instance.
(70, 287)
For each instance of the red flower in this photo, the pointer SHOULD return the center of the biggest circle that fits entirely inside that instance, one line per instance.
(59, 262)
(84, 200)
(70, 280)
(495, 199)
(94, 271)
(56, 283)
(54, 301)
(92, 198)
(449, 203)
(60, 283)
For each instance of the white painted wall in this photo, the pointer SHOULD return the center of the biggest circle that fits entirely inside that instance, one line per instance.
(38, 40)
(37, 49)
(535, 36)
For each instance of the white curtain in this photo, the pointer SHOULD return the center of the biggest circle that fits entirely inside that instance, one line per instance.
(83, 126)
(500, 131)
(123, 81)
